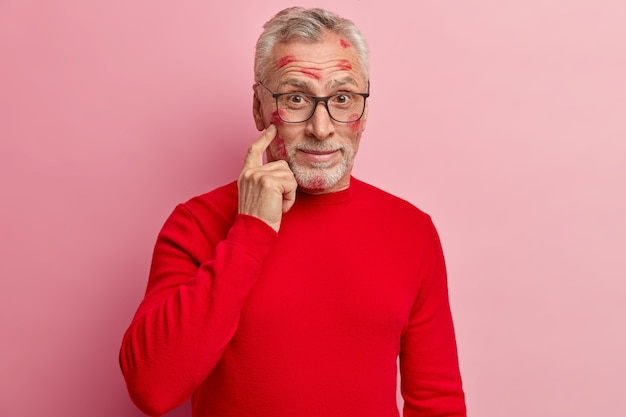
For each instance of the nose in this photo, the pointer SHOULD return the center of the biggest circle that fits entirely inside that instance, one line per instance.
(320, 125)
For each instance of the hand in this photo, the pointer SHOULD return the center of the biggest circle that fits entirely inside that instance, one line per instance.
(266, 191)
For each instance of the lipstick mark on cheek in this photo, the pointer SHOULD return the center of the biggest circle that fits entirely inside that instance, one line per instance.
(285, 60)
(312, 73)
(344, 65)
(355, 126)
(276, 119)
(280, 143)
(344, 43)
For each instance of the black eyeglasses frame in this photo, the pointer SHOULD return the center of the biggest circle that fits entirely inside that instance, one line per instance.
(317, 100)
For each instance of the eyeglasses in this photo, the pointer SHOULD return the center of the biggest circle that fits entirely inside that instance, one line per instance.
(299, 107)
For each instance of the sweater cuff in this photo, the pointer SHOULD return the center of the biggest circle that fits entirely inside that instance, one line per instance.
(253, 234)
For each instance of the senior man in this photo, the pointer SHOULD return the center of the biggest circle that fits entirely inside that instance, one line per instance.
(293, 291)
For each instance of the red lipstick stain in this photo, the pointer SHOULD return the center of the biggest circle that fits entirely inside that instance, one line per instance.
(276, 119)
(317, 183)
(344, 43)
(344, 65)
(355, 126)
(287, 59)
(282, 151)
(312, 73)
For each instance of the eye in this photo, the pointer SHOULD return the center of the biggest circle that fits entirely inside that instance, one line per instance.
(295, 99)
(342, 99)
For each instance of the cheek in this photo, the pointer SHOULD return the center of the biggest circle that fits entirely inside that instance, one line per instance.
(278, 148)
(275, 119)
(355, 126)
(281, 151)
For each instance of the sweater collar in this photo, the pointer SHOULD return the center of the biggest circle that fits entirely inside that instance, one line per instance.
(337, 197)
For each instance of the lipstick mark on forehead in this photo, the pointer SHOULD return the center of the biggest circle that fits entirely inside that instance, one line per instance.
(344, 43)
(311, 73)
(344, 65)
(287, 59)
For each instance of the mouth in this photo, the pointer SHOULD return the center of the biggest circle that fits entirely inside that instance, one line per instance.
(313, 155)
(314, 152)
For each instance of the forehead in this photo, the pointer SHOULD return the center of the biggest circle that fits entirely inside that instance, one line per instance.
(329, 58)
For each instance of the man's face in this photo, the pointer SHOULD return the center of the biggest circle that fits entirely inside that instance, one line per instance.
(319, 151)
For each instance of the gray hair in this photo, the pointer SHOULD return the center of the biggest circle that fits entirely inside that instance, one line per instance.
(309, 25)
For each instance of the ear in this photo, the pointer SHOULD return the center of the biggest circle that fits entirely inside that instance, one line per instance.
(257, 111)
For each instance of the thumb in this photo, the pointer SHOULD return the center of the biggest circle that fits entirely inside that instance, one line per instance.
(289, 197)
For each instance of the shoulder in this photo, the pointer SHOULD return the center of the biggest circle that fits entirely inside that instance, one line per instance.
(221, 201)
(379, 201)
(405, 228)
(211, 212)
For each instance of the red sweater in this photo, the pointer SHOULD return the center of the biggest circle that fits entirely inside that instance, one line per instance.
(306, 322)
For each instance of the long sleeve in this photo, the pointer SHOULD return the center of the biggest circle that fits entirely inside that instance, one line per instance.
(429, 369)
(196, 290)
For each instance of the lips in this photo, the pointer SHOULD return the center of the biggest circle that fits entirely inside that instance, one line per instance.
(319, 152)
(319, 155)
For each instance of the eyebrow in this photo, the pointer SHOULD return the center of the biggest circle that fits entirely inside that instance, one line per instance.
(332, 84)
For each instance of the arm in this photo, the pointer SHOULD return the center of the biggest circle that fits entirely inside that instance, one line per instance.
(199, 282)
(430, 378)
(191, 309)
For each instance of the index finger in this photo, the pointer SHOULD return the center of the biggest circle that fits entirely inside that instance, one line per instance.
(254, 158)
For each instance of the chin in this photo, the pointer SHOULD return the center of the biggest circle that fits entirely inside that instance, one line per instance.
(318, 181)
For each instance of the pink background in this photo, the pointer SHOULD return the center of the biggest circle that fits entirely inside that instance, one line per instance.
(505, 120)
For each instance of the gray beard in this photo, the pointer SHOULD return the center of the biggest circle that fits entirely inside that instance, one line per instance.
(321, 175)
